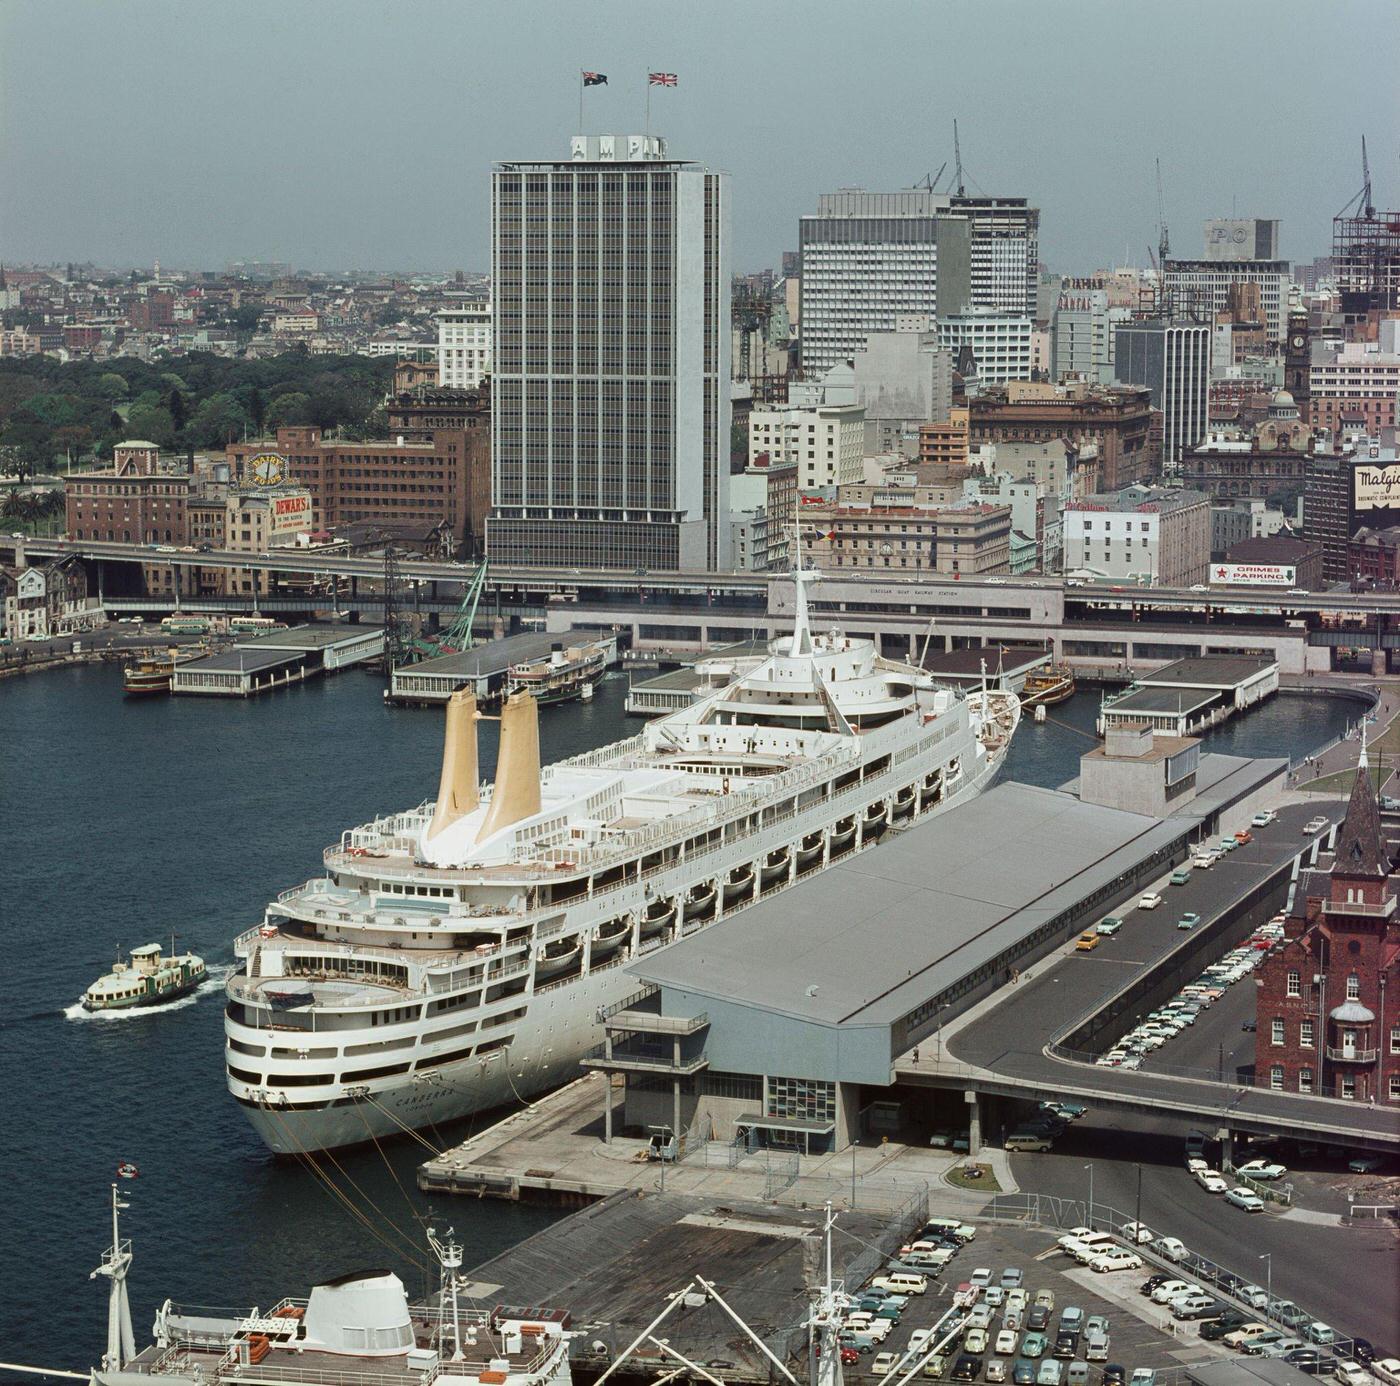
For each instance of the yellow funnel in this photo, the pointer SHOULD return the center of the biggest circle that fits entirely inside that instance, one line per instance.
(517, 792)
(457, 790)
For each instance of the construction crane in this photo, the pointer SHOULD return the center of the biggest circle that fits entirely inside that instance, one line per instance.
(1362, 201)
(958, 184)
(929, 182)
(1164, 247)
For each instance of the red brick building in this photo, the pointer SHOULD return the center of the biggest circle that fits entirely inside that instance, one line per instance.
(1329, 999)
(137, 502)
(1374, 555)
(395, 481)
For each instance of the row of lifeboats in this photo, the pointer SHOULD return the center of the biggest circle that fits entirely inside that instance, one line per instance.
(698, 905)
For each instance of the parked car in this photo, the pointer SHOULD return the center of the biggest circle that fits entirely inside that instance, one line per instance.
(1023, 1372)
(1143, 1376)
(1033, 1346)
(1045, 1299)
(1261, 1343)
(1245, 1199)
(1051, 1373)
(981, 1277)
(967, 1368)
(1012, 1278)
(1212, 1181)
(1118, 1259)
(1136, 1232)
(1364, 1164)
(1312, 1360)
(1359, 1350)
(1169, 1289)
(1352, 1374)
(994, 1371)
(1006, 1342)
(1246, 1333)
(975, 1341)
(1066, 1346)
(1038, 1320)
(935, 1367)
(1256, 1296)
(1319, 1334)
(1114, 1374)
(1386, 1369)
(1215, 1329)
(884, 1362)
(1170, 1247)
(1196, 1307)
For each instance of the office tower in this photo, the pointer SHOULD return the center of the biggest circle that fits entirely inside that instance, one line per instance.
(1173, 360)
(464, 345)
(1236, 252)
(1005, 252)
(870, 259)
(610, 387)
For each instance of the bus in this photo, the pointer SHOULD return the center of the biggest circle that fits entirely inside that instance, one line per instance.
(253, 625)
(183, 624)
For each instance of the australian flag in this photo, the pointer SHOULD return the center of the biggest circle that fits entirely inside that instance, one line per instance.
(595, 79)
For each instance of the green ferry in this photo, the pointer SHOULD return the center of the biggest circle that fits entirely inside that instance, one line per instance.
(150, 978)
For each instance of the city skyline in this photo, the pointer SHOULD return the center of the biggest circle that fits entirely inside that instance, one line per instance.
(313, 143)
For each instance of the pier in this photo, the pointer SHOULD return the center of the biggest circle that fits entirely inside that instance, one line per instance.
(1190, 696)
(260, 664)
(484, 669)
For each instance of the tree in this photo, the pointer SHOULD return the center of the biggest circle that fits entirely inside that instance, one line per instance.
(178, 413)
(246, 318)
(112, 386)
(218, 420)
(256, 406)
(289, 409)
(152, 422)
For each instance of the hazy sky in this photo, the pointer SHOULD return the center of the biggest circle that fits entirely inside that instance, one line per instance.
(360, 133)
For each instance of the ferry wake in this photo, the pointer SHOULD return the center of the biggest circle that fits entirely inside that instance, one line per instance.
(457, 956)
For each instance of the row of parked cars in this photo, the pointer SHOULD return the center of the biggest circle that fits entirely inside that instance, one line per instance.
(1171, 1018)
(1312, 1347)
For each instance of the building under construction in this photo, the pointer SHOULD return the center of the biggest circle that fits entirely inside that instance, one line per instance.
(1366, 253)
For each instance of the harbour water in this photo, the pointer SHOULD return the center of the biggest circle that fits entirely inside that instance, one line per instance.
(127, 820)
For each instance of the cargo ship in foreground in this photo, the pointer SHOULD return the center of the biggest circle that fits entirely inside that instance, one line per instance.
(457, 956)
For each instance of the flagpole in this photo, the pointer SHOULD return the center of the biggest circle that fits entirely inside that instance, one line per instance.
(648, 104)
(580, 102)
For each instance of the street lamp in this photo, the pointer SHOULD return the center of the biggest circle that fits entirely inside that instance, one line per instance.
(1268, 1257)
(1090, 1168)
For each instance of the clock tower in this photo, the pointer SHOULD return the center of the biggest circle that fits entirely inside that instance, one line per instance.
(1297, 364)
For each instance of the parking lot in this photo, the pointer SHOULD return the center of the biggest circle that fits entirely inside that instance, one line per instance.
(1141, 1334)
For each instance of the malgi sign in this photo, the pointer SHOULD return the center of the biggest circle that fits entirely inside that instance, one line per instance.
(1376, 487)
(1253, 575)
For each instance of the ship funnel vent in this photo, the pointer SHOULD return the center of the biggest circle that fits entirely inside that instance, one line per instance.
(457, 791)
(517, 791)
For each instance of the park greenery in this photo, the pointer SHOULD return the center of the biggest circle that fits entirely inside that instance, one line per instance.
(54, 414)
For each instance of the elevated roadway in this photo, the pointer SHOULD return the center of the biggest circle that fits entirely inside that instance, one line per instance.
(1010, 1046)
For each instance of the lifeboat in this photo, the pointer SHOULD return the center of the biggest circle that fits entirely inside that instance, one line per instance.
(611, 936)
(661, 914)
(931, 791)
(700, 903)
(558, 956)
(903, 802)
(739, 884)
(775, 867)
(876, 819)
(843, 835)
(809, 854)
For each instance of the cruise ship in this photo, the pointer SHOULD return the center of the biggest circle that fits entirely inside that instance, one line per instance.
(457, 956)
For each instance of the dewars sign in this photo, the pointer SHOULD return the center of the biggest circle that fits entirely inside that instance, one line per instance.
(291, 513)
(1253, 575)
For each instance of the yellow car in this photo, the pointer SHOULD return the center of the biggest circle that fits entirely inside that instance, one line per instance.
(1087, 943)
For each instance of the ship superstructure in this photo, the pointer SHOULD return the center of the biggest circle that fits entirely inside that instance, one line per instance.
(456, 956)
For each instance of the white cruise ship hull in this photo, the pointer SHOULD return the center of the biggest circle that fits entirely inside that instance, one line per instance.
(561, 1022)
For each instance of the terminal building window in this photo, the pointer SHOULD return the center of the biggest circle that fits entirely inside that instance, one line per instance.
(801, 1099)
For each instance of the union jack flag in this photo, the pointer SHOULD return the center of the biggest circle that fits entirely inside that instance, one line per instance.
(661, 79)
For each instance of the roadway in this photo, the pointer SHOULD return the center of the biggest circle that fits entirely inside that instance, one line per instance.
(1344, 1275)
(1123, 597)
(1001, 1047)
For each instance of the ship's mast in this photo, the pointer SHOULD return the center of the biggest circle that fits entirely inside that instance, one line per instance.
(116, 1261)
(824, 1322)
(449, 1259)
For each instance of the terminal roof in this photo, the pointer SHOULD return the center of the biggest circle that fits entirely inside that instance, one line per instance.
(1209, 671)
(883, 930)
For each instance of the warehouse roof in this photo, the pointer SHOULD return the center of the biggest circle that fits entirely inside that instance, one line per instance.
(308, 637)
(1210, 671)
(875, 935)
(496, 656)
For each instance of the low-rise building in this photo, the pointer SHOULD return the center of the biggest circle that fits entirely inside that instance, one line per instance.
(1356, 379)
(1280, 554)
(47, 600)
(1140, 534)
(825, 441)
(1374, 556)
(1267, 460)
(1116, 418)
(964, 540)
(1324, 1025)
(395, 481)
(945, 444)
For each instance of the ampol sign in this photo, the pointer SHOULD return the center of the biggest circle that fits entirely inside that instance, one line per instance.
(1253, 575)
